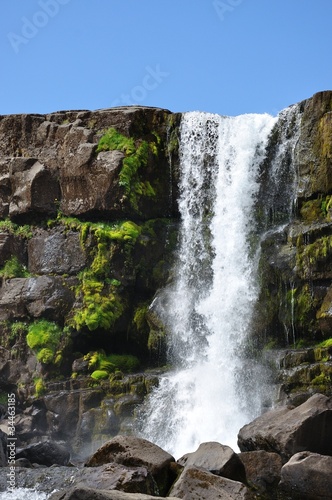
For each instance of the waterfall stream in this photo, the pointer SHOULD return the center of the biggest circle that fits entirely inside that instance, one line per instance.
(207, 309)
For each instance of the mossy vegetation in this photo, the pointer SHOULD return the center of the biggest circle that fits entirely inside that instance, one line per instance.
(308, 256)
(112, 363)
(44, 338)
(135, 160)
(24, 231)
(13, 268)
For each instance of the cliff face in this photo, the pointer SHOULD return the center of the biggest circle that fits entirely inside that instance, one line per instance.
(88, 228)
(88, 225)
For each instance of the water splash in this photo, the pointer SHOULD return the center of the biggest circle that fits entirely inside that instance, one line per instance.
(207, 310)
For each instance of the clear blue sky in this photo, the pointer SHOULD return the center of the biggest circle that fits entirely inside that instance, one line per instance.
(222, 56)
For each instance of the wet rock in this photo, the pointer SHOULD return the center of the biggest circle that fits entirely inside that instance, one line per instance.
(45, 453)
(133, 451)
(307, 476)
(199, 484)
(262, 470)
(56, 252)
(47, 296)
(217, 459)
(291, 430)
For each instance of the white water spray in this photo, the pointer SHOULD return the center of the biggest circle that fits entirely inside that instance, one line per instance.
(207, 310)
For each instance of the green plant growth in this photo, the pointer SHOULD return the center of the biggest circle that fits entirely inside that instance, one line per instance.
(308, 256)
(102, 304)
(112, 363)
(8, 226)
(44, 338)
(13, 268)
(40, 388)
(99, 374)
(136, 158)
(326, 343)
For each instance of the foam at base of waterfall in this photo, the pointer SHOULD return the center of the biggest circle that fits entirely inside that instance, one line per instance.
(23, 494)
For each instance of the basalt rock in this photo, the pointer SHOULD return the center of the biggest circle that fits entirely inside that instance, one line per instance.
(287, 431)
(307, 476)
(217, 459)
(132, 451)
(196, 483)
(45, 453)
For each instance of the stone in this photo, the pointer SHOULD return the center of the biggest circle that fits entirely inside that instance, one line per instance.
(42, 296)
(262, 470)
(198, 484)
(81, 493)
(307, 476)
(3, 449)
(45, 453)
(290, 430)
(34, 188)
(217, 459)
(56, 252)
(133, 451)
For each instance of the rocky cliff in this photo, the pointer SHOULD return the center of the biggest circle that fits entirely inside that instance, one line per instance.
(88, 229)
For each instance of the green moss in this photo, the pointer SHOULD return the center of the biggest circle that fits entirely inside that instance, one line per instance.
(140, 317)
(13, 269)
(112, 363)
(136, 159)
(326, 343)
(99, 375)
(308, 256)
(40, 388)
(43, 338)
(24, 231)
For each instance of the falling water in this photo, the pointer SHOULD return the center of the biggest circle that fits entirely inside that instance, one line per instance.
(208, 307)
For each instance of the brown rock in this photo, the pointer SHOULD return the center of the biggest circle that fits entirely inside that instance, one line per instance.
(307, 476)
(217, 459)
(199, 484)
(262, 469)
(288, 431)
(81, 493)
(133, 451)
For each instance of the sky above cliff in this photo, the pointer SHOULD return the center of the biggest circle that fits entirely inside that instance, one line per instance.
(223, 56)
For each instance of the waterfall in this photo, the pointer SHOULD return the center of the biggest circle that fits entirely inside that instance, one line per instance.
(207, 308)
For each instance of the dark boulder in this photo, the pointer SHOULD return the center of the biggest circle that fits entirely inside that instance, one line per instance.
(307, 476)
(262, 470)
(132, 451)
(291, 430)
(216, 458)
(199, 484)
(45, 453)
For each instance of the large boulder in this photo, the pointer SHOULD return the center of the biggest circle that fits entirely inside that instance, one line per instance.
(262, 470)
(133, 451)
(291, 430)
(307, 476)
(45, 453)
(82, 493)
(216, 458)
(199, 484)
